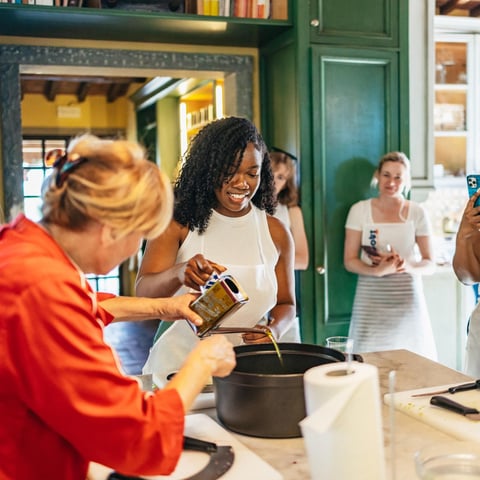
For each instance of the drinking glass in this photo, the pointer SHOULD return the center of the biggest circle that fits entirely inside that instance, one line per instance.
(338, 343)
(457, 460)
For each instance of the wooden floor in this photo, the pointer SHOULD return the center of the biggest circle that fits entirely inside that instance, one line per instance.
(132, 341)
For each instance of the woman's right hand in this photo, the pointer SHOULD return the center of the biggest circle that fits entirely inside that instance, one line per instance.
(212, 357)
(217, 353)
(196, 271)
(388, 263)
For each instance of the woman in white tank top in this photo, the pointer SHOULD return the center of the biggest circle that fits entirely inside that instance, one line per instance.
(224, 198)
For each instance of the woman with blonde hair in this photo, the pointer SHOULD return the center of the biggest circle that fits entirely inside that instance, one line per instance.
(381, 237)
(64, 400)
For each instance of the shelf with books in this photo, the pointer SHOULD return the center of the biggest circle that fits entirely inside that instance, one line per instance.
(272, 9)
(200, 105)
(118, 24)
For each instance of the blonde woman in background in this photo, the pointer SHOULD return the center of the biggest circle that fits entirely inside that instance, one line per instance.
(389, 310)
(288, 211)
(64, 400)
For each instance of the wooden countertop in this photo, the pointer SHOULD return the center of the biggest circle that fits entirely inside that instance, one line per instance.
(412, 372)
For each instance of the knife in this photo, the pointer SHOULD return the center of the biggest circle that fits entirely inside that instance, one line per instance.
(458, 388)
(447, 403)
(221, 459)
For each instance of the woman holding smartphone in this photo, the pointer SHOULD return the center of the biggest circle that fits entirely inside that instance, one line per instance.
(381, 238)
(466, 265)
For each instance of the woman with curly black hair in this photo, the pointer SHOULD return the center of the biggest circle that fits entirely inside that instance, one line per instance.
(224, 201)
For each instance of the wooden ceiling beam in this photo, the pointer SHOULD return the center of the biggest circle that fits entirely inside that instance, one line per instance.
(51, 90)
(82, 91)
(115, 91)
(79, 79)
(475, 11)
(447, 7)
(81, 86)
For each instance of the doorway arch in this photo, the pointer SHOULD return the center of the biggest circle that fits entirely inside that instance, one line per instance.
(14, 59)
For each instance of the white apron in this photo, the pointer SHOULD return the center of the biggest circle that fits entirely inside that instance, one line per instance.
(252, 267)
(390, 312)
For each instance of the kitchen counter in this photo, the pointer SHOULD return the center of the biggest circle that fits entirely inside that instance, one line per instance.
(412, 372)
(450, 304)
(288, 456)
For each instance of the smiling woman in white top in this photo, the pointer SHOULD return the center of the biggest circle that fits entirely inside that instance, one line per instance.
(223, 197)
(389, 310)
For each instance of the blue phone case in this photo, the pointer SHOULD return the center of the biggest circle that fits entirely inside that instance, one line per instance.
(473, 184)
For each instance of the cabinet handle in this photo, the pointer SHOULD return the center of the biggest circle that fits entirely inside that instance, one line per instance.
(315, 22)
(320, 270)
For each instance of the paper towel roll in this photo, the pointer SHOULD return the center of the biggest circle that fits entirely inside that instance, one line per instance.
(343, 429)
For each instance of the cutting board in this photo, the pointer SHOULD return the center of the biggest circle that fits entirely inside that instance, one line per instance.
(449, 422)
(246, 465)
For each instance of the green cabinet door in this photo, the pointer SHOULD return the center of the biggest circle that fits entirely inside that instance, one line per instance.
(355, 119)
(357, 22)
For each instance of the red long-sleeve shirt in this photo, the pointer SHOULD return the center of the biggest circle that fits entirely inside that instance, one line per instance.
(63, 398)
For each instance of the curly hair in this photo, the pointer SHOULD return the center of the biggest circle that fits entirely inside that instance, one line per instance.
(213, 157)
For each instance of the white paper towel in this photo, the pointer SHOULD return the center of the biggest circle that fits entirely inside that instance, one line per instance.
(343, 429)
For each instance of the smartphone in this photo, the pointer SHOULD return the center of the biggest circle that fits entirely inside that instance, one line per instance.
(369, 250)
(473, 184)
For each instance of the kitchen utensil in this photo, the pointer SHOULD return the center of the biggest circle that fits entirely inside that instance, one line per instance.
(392, 378)
(457, 388)
(263, 397)
(419, 408)
(221, 459)
(444, 402)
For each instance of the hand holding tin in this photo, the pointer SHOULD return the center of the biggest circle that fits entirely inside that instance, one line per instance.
(198, 271)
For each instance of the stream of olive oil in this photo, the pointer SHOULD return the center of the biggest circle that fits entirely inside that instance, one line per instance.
(275, 345)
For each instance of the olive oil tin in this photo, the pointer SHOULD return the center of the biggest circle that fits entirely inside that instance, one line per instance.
(223, 297)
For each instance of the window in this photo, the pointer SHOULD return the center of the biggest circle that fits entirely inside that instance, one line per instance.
(34, 174)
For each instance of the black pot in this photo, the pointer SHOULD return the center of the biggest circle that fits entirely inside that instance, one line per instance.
(263, 397)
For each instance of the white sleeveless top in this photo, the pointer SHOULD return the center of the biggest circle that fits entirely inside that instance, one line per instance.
(245, 247)
(281, 212)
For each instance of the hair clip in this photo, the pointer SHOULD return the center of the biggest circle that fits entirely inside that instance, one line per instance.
(52, 157)
(63, 163)
(279, 150)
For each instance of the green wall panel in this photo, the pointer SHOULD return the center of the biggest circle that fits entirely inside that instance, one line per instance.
(280, 95)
